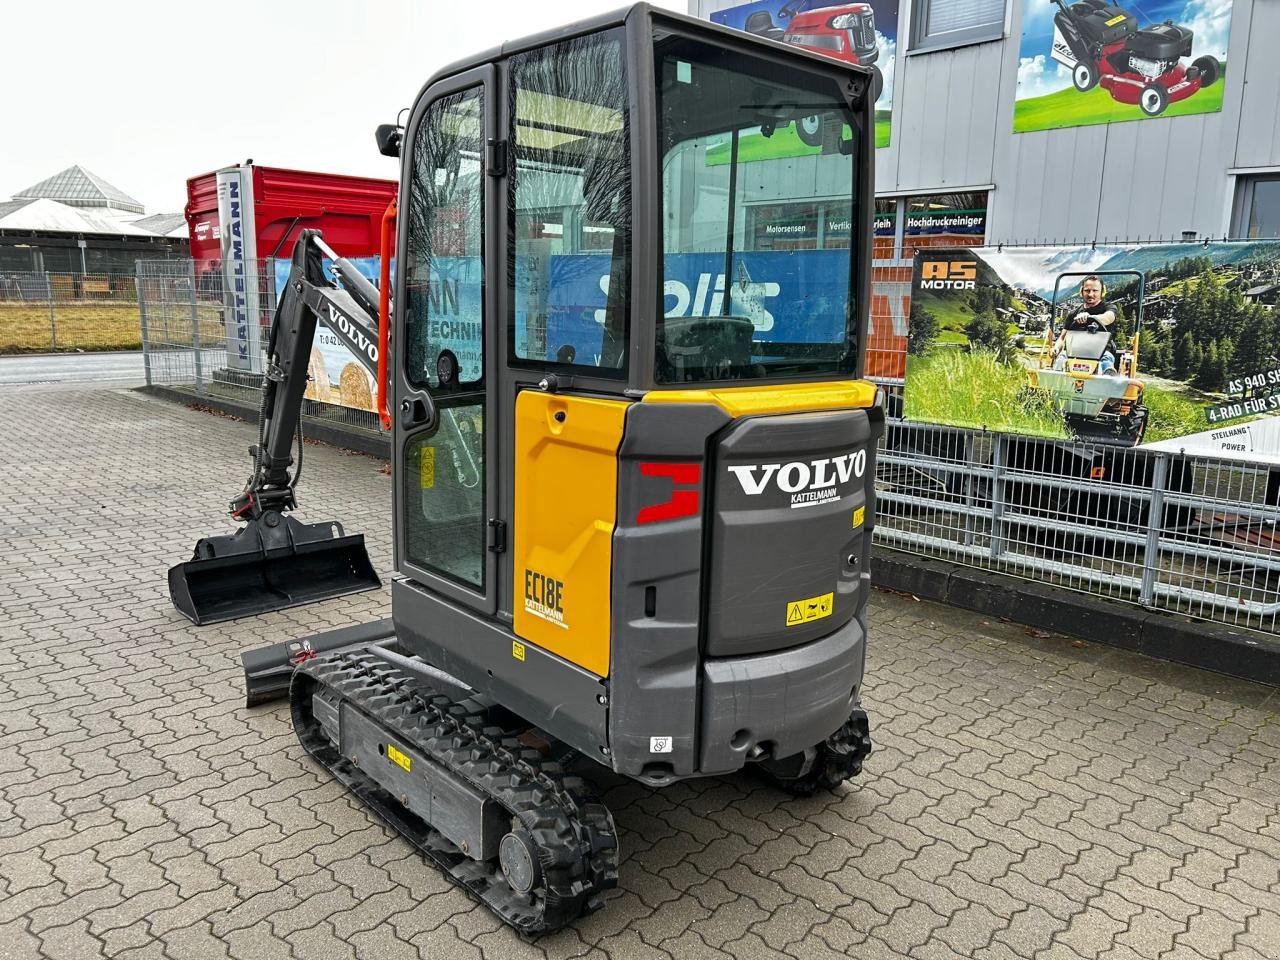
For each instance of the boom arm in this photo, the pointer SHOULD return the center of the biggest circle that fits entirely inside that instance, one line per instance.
(351, 312)
(274, 560)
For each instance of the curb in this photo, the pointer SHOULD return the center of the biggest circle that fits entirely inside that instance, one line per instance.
(1234, 651)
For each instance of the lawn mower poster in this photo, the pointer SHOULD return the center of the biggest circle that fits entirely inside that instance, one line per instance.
(1168, 346)
(1092, 61)
(861, 33)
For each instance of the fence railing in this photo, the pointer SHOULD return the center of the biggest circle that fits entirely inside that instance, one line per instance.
(48, 312)
(1193, 535)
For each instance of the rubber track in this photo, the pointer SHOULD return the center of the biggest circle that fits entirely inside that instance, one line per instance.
(573, 831)
(839, 759)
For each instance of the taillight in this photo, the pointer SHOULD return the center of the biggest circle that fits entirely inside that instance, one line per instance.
(686, 491)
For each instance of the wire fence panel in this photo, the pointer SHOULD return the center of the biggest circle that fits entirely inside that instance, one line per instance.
(49, 312)
(1192, 535)
(208, 336)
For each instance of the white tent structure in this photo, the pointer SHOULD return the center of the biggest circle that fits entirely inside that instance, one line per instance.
(76, 222)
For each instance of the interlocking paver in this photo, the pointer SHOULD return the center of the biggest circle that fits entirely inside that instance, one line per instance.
(1027, 799)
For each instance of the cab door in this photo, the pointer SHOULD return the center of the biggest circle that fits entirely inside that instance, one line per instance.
(445, 444)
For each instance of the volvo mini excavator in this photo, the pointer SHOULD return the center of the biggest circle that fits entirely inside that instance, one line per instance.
(633, 450)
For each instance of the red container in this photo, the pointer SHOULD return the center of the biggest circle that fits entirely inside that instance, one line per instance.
(347, 209)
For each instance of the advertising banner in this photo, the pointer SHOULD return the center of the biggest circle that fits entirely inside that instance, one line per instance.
(1097, 62)
(860, 33)
(452, 302)
(334, 374)
(238, 244)
(1165, 346)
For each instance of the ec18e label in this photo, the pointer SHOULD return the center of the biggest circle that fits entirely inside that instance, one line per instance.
(810, 609)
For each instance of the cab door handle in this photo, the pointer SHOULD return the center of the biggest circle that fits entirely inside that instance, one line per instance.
(417, 411)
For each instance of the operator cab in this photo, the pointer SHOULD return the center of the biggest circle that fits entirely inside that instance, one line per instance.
(604, 236)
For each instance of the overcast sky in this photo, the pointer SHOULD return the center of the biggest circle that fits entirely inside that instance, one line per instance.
(146, 93)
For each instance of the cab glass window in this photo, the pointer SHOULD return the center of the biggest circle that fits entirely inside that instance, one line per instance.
(571, 206)
(444, 276)
(759, 181)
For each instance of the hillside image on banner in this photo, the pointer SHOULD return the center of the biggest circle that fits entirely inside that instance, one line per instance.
(1107, 61)
(861, 33)
(1165, 346)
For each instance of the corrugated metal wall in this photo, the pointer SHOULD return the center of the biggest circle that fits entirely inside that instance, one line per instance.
(953, 128)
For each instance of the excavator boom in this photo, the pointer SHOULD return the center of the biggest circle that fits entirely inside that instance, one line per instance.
(276, 561)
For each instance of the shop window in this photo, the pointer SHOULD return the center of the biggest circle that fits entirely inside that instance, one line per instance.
(1257, 211)
(939, 24)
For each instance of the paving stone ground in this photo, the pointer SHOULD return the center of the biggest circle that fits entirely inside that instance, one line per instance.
(1028, 797)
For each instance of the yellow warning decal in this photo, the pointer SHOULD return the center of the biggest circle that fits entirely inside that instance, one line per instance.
(399, 759)
(517, 650)
(814, 608)
(1119, 18)
(859, 516)
(427, 468)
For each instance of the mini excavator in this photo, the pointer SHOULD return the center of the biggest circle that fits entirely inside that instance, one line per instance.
(633, 452)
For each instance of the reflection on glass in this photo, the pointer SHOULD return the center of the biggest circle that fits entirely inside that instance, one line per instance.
(757, 262)
(572, 199)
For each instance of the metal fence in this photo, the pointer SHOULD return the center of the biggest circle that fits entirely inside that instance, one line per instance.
(48, 312)
(207, 338)
(1187, 534)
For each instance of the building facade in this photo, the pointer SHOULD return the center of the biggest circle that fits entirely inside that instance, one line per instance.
(954, 170)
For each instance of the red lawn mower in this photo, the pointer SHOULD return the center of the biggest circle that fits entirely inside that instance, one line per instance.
(845, 32)
(1142, 67)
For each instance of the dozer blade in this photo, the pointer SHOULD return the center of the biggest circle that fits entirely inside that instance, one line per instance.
(267, 567)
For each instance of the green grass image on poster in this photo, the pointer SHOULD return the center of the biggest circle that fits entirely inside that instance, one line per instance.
(1071, 108)
(959, 388)
(783, 143)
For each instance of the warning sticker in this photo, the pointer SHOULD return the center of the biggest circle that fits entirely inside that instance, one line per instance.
(427, 468)
(814, 608)
(859, 516)
(399, 759)
(517, 650)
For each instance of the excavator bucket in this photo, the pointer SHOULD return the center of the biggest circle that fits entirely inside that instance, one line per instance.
(272, 563)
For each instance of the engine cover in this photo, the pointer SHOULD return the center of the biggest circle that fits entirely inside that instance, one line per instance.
(788, 549)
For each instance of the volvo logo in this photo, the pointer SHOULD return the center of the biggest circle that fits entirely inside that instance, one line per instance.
(807, 482)
(355, 337)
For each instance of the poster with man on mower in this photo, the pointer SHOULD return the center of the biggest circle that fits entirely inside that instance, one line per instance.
(1164, 346)
(1096, 61)
(862, 33)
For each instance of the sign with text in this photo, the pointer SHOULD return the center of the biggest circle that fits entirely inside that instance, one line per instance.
(1164, 346)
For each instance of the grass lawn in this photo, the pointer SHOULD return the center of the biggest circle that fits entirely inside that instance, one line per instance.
(963, 389)
(25, 327)
(1071, 108)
